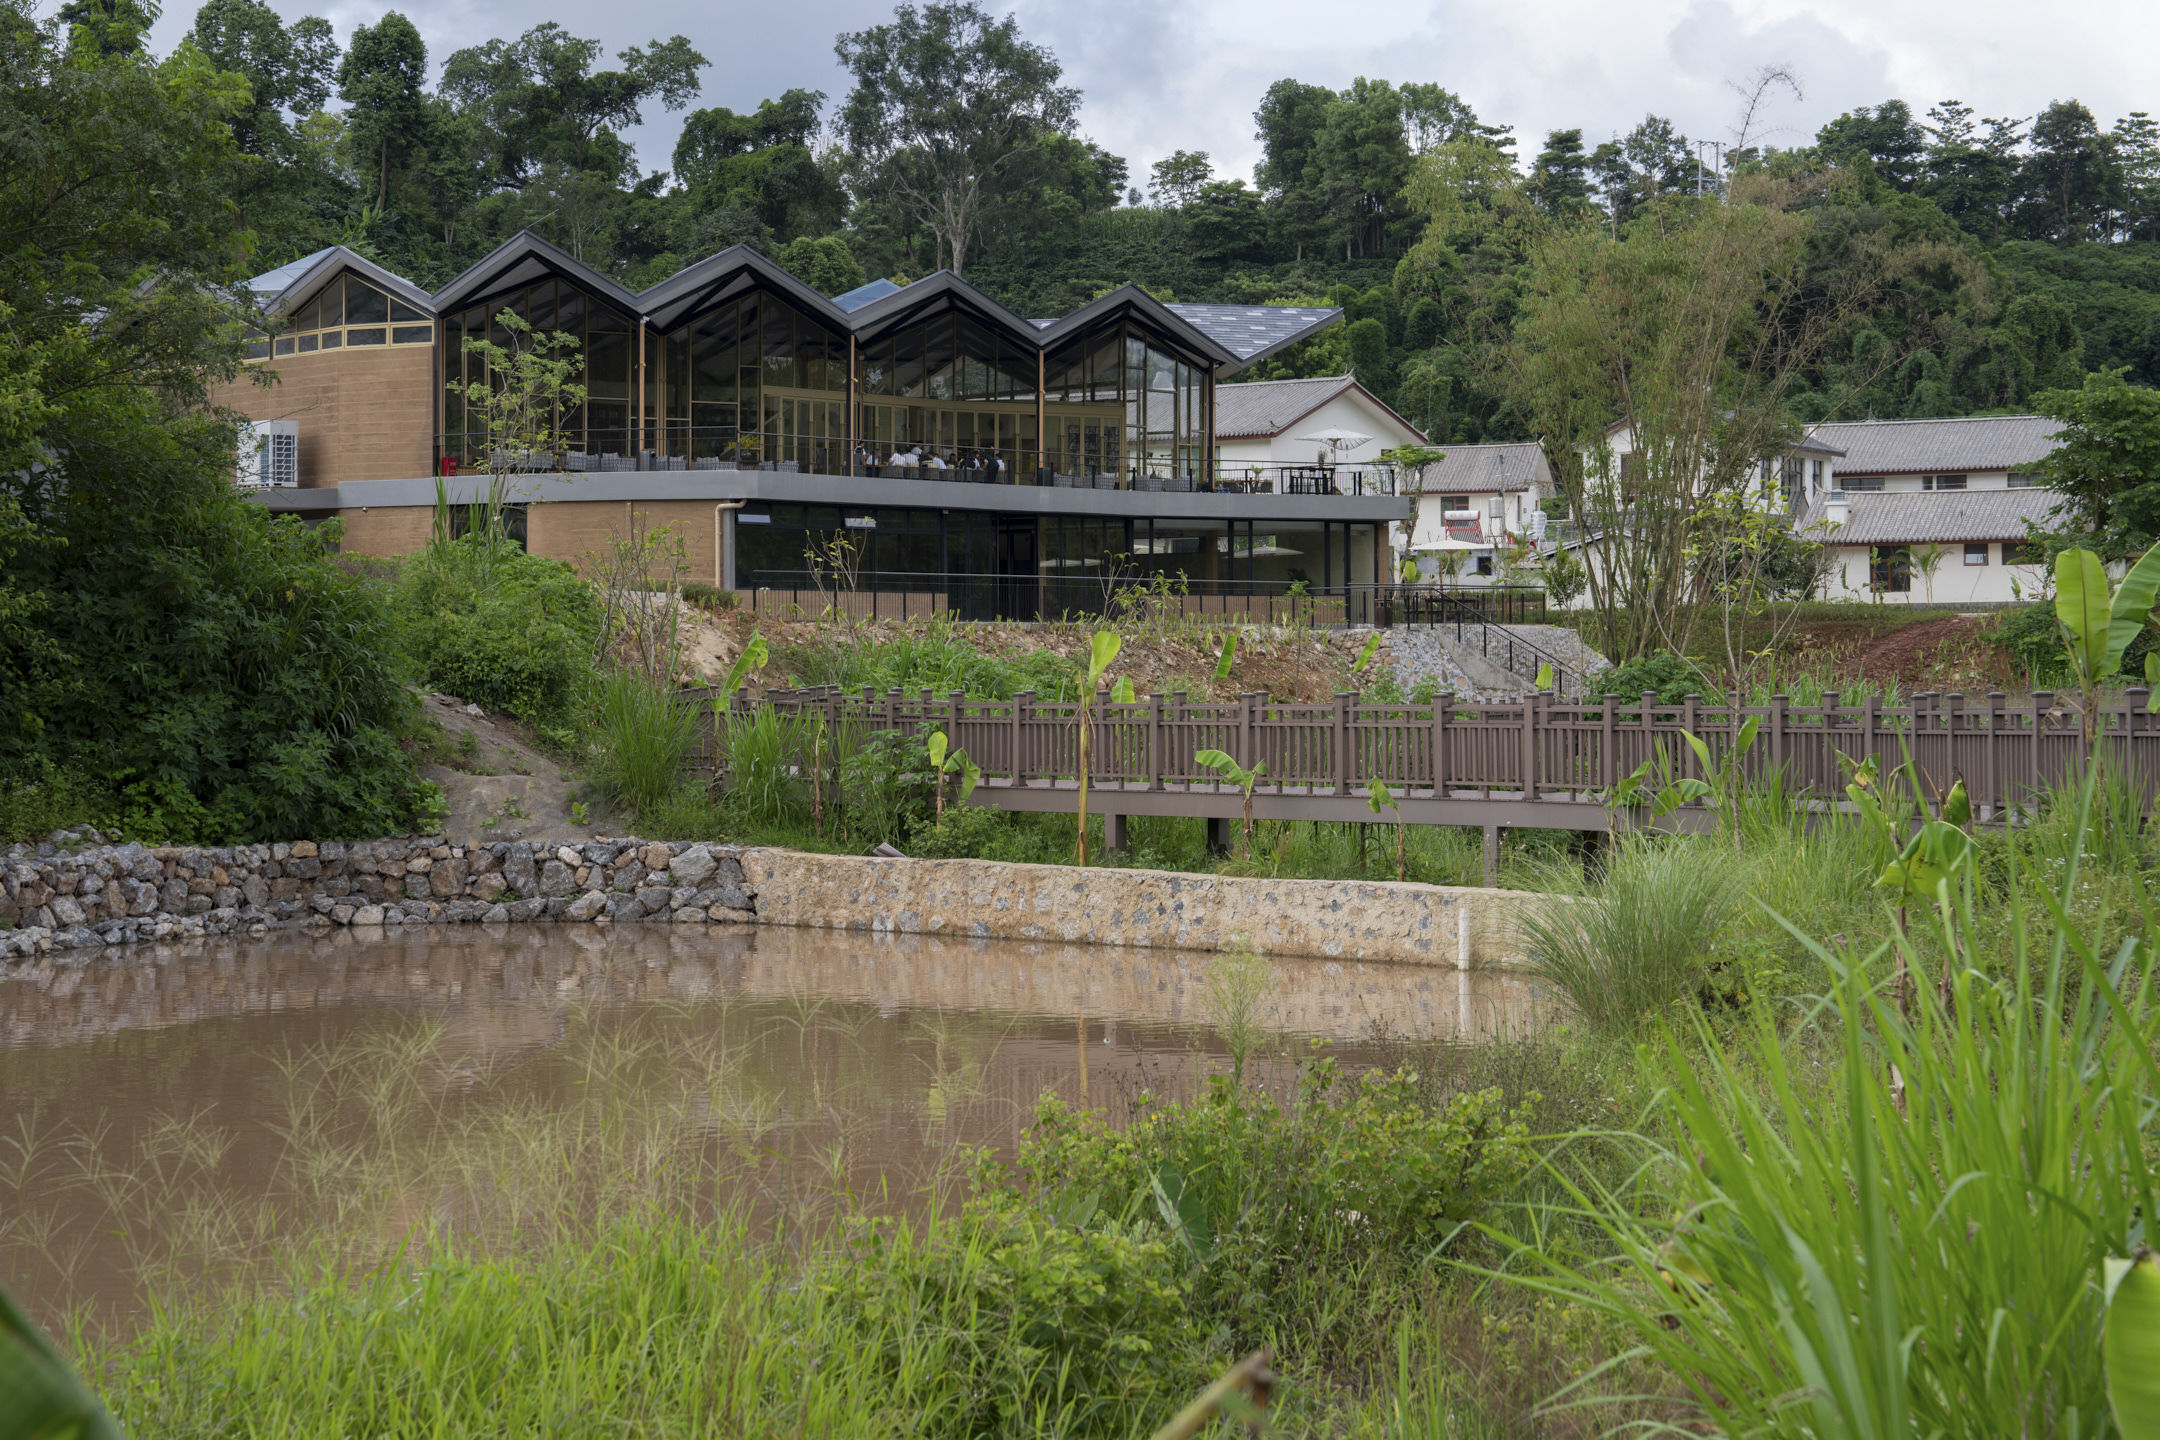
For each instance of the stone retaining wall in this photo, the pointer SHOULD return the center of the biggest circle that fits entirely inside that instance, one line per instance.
(57, 898)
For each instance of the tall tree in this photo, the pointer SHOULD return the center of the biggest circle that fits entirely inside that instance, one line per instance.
(290, 70)
(539, 99)
(1177, 179)
(1361, 159)
(383, 80)
(1970, 172)
(1289, 120)
(948, 104)
(1559, 182)
(2070, 184)
(1433, 116)
(761, 162)
(1885, 138)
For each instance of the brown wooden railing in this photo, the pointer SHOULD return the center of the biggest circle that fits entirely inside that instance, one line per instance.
(1539, 749)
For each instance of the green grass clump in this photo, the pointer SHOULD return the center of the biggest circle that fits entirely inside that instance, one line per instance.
(927, 655)
(641, 735)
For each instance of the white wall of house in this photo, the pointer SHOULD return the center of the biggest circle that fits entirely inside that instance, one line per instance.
(1351, 410)
(1497, 514)
(1914, 484)
(1971, 574)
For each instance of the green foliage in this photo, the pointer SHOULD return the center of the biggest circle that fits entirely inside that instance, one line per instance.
(502, 629)
(641, 734)
(697, 592)
(1641, 940)
(2107, 460)
(886, 785)
(1834, 1231)
(1668, 676)
(929, 657)
(964, 834)
(2132, 1343)
(1287, 1188)
(764, 754)
(39, 1395)
(1030, 1326)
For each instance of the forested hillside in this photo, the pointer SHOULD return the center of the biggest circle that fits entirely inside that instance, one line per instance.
(2033, 244)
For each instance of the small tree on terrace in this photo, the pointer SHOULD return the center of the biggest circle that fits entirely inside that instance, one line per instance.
(520, 402)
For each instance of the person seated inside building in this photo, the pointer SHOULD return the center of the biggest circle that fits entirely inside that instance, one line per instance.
(936, 461)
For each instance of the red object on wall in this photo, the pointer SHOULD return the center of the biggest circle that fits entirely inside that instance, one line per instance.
(449, 464)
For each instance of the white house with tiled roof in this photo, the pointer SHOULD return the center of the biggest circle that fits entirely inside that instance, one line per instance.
(1933, 511)
(1260, 422)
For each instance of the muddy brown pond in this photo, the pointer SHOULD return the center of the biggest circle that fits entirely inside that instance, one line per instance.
(181, 1116)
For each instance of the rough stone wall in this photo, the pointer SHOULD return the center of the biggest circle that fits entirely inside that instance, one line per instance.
(55, 897)
(1335, 919)
(58, 899)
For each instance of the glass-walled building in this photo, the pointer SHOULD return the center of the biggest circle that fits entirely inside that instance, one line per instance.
(734, 363)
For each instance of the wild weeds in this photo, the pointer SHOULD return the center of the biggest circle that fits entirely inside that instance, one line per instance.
(1638, 942)
(641, 735)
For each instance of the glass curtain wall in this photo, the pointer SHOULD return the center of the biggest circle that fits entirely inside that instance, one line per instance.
(346, 313)
(754, 381)
(952, 387)
(601, 426)
(1119, 402)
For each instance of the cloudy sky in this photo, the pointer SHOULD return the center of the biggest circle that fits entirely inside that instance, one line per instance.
(1186, 74)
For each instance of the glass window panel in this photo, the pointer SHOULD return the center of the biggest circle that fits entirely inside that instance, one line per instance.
(376, 335)
(607, 426)
(333, 339)
(877, 368)
(677, 384)
(938, 358)
(777, 345)
(540, 306)
(607, 366)
(977, 358)
(908, 363)
(713, 358)
(1105, 367)
(333, 303)
(285, 345)
(570, 312)
(964, 430)
(309, 342)
(811, 355)
(605, 318)
(310, 318)
(364, 304)
(1162, 369)
(399, 310)
(945, 430)
(412, 334)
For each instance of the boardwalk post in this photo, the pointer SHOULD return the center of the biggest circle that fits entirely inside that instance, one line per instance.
(1021, 704)
(2042, 702)
(1441, 704)
(1996, 740)
(1690, 721)
(1343, 701)
(1492, 856)
(1155, 742)
(1533, 707)
(1610, 769)
(1778, 705)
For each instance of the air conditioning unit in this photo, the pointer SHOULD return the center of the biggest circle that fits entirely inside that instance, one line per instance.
(268, 453)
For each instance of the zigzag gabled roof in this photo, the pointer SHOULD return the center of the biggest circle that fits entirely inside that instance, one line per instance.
(521, 259)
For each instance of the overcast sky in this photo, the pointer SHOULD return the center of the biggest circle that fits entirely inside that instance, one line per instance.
(1186, 74)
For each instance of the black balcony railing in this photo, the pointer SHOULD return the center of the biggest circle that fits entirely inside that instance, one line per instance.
(608, 451)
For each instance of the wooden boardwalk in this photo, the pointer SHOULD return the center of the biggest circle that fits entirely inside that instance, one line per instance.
(1540, 762)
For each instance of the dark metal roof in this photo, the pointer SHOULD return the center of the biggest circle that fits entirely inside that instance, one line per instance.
(1131, 299)
(1922, 517)
(520, 260)
(723, 276)
(292, 285)
(1254, 332)
(1936, 447)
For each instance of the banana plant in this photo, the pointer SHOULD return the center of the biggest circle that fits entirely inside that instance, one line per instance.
(1227, 766)
(1364, 656)
(1664, 793)
(39, 1395)
(1724, 781)
(1545, 677)
(1379, 799)
(1102, 654)
(752, 660)
(2098, 623)
(1935, 855)
(2130, 1343)
(951, 760)
(1224, 661)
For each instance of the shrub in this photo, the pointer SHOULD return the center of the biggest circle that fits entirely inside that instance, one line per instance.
(1259, 1192)
(965, 833)
(1023, 1325)
(1642, 941)
(697, 592)
(1670, 677)
(641, 734)
(200, 669)
(886, 781)
(764, 786)
(492, 625)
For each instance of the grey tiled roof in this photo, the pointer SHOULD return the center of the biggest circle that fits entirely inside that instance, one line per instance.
(1924, 517)
(1248, 331)
(1486, 469)
(1936, 447)
(1268, 407)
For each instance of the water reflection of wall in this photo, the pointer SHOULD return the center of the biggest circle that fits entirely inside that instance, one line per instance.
(514, 976)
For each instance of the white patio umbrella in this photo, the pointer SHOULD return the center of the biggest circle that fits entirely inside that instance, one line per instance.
(1337, 439)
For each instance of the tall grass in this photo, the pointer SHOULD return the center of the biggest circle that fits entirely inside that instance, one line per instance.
(1909, 1240)
(641, 735)
(1638, 942)
(766, 761)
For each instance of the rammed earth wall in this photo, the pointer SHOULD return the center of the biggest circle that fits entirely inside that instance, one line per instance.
(65, 902)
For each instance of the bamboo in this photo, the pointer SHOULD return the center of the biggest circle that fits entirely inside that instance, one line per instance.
(1250, 1375)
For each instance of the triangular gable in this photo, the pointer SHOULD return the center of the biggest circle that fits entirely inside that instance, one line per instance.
(719, 278)
(520, 260)
(319, 269)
